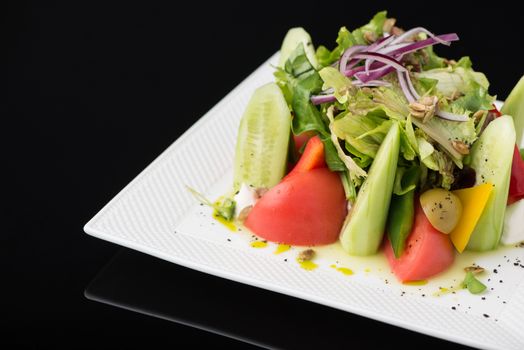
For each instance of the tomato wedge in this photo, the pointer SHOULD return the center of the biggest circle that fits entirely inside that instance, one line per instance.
(301, 139)
(312, 158)
(306, 208)
(427, 253)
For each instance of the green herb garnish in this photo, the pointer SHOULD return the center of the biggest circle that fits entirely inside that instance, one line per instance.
(473, 284)
(224, 208)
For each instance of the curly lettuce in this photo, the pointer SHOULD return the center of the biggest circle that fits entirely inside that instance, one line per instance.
(465, 89)
(338, 82)
(346, 39)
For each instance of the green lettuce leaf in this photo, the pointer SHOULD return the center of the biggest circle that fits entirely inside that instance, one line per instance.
(426, 151)
(410, 134)
(296, 69)
(445, 169)
(334, 79)
(356, 173)
(284, 81)
(367, 114)
(460, 80)
(364, 133)
(406, 149)
(431, 60)
(344, 40)
(452, 81)
(406, 179)
(347, 39)
(424, 59)
(298, 63)
(374, 27)
(445, 132)
(425, 86)
(361, 159)
(392, 102)
(298, 81)
(307, 117)
(349, 186)
(434, 159)
(333, 160)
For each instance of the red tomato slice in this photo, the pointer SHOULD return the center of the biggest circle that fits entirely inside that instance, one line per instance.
(428, 252)
(312, 158)
(307, 208)
(301, 139)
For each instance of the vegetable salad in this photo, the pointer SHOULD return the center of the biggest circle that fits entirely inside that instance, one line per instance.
(384, 145)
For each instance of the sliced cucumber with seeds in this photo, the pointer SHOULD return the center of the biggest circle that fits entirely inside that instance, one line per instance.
(263, 137)
(514, 106)
(365, 224)
(491, 157)
(294, 37)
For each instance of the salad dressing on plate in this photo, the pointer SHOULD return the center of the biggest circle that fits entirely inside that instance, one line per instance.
(374, 270)
(281, 248)
(230, 225)
(375, 267)
(416, 283)
(258, 244)
(307, 265)
(343, 270)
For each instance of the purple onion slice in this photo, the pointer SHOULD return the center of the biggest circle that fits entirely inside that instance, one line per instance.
(451, 116)
(349, 54)
(319, 99)
(412, 32)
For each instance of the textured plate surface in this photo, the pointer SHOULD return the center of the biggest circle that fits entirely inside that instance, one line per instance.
(155, 214)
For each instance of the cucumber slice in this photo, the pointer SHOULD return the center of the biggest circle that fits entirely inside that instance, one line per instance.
(365, 224)
(514, 106)
(294, 37)
(263, 137)
(491, 157)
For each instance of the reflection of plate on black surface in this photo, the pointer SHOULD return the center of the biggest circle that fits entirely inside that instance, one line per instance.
(154, 287)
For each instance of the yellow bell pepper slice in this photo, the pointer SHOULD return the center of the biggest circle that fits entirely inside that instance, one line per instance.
(473, 200)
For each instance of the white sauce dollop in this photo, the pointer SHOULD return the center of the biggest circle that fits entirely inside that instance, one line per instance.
(245, 197)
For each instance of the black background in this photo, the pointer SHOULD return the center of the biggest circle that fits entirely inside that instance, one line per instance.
(96, 91)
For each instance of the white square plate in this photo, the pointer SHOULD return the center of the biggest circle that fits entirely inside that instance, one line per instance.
(155, 214)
